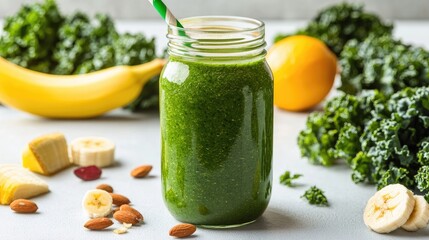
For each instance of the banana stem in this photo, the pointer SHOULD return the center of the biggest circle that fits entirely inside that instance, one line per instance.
(146, 71)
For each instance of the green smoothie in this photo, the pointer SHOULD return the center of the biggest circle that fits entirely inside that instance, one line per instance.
(217, 136)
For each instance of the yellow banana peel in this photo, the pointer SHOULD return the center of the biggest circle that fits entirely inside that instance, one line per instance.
(73, 96)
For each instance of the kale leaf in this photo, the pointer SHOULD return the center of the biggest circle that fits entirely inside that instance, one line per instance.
(335, 132)
(395, 175)
(133, 49)
(287, 178)
(422, 179)
(338, 24)
(84, 45)
(380, 62)
(29, 36)
(383, 138)
(315, 196)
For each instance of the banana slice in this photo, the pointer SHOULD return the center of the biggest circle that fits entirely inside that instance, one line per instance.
(389, 208)
(97, 203)
(419, 218)
(92, 151)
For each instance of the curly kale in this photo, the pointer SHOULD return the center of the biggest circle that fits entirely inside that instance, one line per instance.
(396, 175)
(384, 139)
(423, 153)
(317, 141)
(380, 62)
(315, 196)
(338, 24)
(84, 45)
(40, 38)
(133, 49)
(422, 179)
(334, 133)
(29, 36)
(287, 178)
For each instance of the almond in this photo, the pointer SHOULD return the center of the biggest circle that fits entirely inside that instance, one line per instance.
(126, 217)
(127, 207)
(119, 199)
(141, 171)
(182, 230)
(105, 187)
(98, 223)
(23, 206)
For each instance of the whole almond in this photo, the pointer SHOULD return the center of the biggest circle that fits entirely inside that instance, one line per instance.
(127, 207)
(105, 187)
(182, 230)
(119, 199)
(23, 206)
(98, 223)
(141, 171)
(126, 217)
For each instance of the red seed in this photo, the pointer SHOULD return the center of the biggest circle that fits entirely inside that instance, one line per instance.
(88, 173)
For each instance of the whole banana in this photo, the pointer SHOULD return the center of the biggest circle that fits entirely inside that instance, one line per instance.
(77, 96)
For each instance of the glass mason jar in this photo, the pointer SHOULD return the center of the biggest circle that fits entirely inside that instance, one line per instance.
(216, 110)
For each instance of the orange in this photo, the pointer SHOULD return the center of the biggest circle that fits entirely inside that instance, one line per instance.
(304, 71)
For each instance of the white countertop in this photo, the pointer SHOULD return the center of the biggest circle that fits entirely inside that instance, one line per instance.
(60, 214)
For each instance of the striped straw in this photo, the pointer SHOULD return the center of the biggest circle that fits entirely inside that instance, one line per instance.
(165, 13)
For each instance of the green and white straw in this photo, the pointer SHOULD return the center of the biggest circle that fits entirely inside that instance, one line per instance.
(165, 13)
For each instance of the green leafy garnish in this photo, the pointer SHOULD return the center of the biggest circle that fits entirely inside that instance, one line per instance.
(84, 45)
(315, 196)
(338, 24)
(395, 175)
(41, 38)
(383, 139)
(335, 133)
(380, 62)
(422, 179)
(287, 178)
(28, 37)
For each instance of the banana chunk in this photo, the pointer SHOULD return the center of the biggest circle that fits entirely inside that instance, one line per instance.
(89, 151)
(419, 218)
(47, 154)
(389, 208)
(17, 182)
(97, 203)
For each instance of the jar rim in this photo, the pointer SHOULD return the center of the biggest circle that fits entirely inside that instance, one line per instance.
(217, 37)
(258, 24)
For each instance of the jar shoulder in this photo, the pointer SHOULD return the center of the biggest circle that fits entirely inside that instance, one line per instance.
(179, 71)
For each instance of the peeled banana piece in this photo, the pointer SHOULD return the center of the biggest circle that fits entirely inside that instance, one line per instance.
(389, 208)
(47, 154)
(75, 96)
(419, 218)
(17, 182)
(89, 151)
(97, 203)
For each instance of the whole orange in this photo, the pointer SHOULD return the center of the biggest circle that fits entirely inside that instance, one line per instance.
(304, 71)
